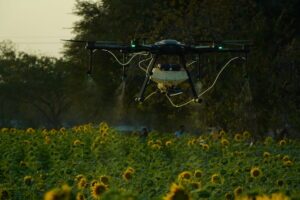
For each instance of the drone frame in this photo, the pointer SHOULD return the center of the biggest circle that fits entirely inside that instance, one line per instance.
(165, 47)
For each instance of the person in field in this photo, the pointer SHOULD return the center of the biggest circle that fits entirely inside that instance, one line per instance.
(180, 131)
(144, 134)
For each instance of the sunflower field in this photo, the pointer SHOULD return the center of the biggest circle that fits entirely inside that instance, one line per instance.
(97, 162)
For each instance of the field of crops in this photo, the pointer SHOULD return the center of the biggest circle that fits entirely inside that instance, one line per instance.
(96, 162)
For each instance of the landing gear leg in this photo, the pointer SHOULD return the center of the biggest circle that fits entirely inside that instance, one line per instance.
(183, 63)
(151, 65)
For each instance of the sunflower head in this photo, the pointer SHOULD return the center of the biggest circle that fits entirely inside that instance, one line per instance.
(80, 196)
(82, 183)
(282, 142)
(104, 179)
(228, 196)
(238, 191)
(30, 130)
(215, 178)
(238, 137)
(246, 134)
(285, 158)
(52, 195)
(127, 175)
(288, 163)
(266, 155)
(59, 193)
(280, 183)
(155, 146)
(168, 143)
(98, 189)
(205, 147)
(186, 175)
(94, 182)
(222, 133)
(78, 177)
(4, 194)
(177, 193)
(255, 172)
(28, 180)
(76, 142)
(224, 142)
(198, 173)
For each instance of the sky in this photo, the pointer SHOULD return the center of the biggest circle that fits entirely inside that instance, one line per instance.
(37, 26)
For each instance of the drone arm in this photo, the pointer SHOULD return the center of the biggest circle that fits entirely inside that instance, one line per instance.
(216, 49)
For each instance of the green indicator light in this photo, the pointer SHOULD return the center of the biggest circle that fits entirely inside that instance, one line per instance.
(133, 43)
(220, 47)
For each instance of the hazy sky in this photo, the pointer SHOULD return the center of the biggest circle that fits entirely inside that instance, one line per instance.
(37, 26)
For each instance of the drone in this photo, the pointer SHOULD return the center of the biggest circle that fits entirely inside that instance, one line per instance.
(167, 76)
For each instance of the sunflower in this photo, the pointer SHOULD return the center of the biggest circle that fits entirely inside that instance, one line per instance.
(228, 196)
(80, 196)
(76, 142)
(246, 134)
(98, 189)
(103, 128)
(288, 163)
(155, 146)
(282, 142)
(279, 196)
(47, 140)
(238, 191)
(52, 195)
(168, 143)
(177, 193)
(266, 155)
(238, 137)
(28, 180)
(53, 131)
(215, 178)
(286, 158)
(104, 179)
(255, 172)
(59, 193)
(205, 147)
(4, 194)
(191, 142)
(130, 169)
(4, 130)
(186, 175)
(94, 182)
(82, 183)
(280, 183)
(150, 142)
(30, 130)
(224, 142)
(78, 177)
(222, 133)
(62, 130)
(23, 164)
(127, 175)
(198, 173)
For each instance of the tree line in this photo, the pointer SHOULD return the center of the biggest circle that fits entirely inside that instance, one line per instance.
(259, 95)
